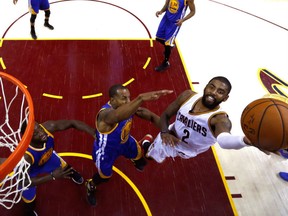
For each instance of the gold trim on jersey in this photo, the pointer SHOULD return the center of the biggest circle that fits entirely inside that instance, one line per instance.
(31, 156)
(28, 201)
(38, 149)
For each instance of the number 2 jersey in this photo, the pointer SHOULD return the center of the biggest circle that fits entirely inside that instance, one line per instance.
(191, 128)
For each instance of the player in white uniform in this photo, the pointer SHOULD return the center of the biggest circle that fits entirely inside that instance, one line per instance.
(199, 124)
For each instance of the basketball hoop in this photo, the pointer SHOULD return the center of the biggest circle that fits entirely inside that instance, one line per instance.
(16, 107)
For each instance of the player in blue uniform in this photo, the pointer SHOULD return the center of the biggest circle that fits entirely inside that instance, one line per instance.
(34, 7)
(45, 164)
(170, 25)
(113, 123)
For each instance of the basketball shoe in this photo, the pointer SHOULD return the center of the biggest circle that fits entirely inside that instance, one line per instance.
(75, 176)
(284, 175)
(90, 192)
(163, 66)
(146, 142)
(33, 33)
(141, 163)
(47, 24)
(284, 153)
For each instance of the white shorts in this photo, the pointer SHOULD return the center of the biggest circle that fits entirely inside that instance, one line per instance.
(159, 152)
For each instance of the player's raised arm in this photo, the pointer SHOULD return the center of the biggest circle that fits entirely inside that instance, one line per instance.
(60, 125)
(113, 116)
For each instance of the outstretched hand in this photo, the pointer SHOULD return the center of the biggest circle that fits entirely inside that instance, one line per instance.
(155, 95)
(248, 142)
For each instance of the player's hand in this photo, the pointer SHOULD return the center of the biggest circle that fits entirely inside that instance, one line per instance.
(15, 1)
(155, 95)
(270, 152)
(179, 22)
(169, 139)
(158, 13)
(247, 141)
(62, 172)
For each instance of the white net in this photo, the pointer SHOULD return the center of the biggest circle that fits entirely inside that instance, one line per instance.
(14, 111)
(12, 186)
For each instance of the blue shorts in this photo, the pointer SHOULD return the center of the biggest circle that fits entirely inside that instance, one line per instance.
(104, 158)
(36, 5)
(167, 31)
(53, 163)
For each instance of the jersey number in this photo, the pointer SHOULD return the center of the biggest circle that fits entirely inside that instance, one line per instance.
(186, 135)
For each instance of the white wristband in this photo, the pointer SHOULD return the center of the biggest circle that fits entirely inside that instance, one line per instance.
(228, 141)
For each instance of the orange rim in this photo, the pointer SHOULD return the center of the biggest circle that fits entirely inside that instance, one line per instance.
(15, 157)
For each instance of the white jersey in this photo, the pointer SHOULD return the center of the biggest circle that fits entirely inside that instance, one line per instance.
(192, 128)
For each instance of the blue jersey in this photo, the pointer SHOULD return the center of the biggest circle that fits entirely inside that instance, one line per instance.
(108, 146)
(44, 160)
(117, 136)
(40, 156)
(167, 29)
(176, 10)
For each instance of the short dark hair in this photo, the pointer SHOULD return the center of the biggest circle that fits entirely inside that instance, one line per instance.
(224, 80)
(113, 89)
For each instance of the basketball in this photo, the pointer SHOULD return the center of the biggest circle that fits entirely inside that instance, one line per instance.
(265, 123)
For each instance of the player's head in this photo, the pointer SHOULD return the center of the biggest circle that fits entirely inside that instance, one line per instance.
(39, 135)
(216, 91)
(119, 95)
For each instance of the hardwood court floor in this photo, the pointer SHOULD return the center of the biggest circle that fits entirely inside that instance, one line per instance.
(75, 68)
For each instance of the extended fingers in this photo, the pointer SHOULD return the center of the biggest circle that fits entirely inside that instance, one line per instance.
(163, 92)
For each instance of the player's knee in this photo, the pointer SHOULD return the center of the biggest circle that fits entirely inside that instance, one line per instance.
(33, 18)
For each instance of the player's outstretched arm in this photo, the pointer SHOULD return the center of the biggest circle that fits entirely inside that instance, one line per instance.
(59, 125)
(149, 116)
(56, 174)
(113, 116)
(172, 109)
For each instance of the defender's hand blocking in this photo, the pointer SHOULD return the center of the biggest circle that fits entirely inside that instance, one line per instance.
(155, 95)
